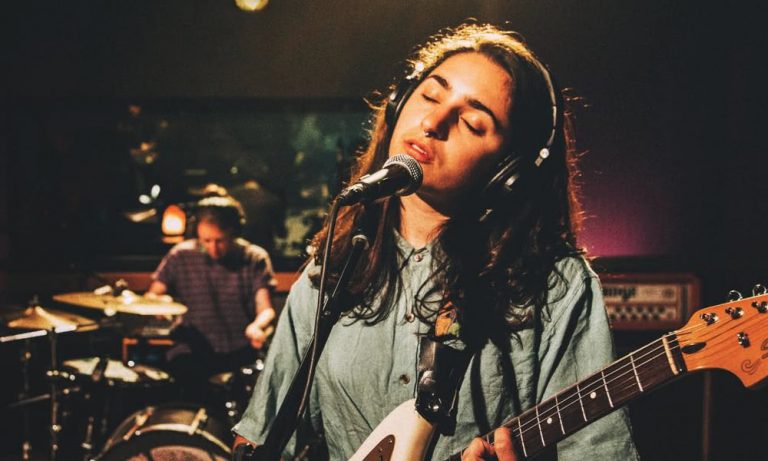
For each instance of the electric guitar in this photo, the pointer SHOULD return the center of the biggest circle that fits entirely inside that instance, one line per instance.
(732, 336)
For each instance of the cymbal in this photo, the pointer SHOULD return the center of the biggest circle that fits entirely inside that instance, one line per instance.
(126, 303)
(37, 318)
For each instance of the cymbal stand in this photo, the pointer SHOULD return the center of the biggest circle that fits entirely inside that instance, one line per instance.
(26, 445)
(94, 394)
(54, 374)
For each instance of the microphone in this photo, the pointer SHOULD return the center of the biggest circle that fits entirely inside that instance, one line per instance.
(400, 175)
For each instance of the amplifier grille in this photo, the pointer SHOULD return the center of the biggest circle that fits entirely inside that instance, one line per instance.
(649, 301)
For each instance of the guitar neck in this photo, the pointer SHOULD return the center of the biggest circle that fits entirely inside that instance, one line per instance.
(594, 397)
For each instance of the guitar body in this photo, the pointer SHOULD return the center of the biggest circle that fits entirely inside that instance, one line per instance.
(732, 336)
(402, 436)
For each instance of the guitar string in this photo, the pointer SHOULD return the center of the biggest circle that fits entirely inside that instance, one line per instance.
(533, 423)
(569, 400)
(575, 397)
(596, 383)
(627, 374)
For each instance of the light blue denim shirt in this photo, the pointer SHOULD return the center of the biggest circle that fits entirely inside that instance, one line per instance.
(367, 371)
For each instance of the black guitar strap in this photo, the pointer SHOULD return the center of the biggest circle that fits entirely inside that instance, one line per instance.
(443, 360)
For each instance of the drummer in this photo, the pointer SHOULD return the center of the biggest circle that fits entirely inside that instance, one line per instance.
(226, 283)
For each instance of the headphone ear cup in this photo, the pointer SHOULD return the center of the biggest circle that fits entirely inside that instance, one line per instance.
(397, 99)
(504, 181)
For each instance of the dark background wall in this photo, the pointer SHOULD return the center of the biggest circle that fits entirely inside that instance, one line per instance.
(674, 176)
(673, 93)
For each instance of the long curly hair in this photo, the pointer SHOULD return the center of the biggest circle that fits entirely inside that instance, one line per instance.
(503, 266)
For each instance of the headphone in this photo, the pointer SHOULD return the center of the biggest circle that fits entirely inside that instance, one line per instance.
(227, 212)
(512, 167)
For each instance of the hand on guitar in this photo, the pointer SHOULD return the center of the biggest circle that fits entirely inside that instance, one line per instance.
(242, 449)
(502, 448)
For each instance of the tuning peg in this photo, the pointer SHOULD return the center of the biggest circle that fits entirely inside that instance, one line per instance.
(734, 295)
(759, 289)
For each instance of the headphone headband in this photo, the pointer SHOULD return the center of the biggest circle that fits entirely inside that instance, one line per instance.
(225, 209)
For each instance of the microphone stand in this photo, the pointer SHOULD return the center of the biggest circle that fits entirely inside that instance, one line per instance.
(294, 402)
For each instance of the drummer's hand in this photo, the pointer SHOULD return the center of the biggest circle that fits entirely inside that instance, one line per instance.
(256, 335)
(165, 298)
(502, 448)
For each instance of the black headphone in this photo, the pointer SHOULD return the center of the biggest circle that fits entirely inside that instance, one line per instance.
(511, 168)
(227, 211)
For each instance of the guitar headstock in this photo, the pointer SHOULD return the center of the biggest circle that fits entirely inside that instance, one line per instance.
(732, 336)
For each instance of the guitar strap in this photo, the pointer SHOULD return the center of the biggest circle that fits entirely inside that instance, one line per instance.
(443, 360)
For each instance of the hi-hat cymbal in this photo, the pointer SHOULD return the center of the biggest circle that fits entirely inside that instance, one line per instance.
(127, 303)
(37, 318)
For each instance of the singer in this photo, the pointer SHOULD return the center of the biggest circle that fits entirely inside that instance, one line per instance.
(482, 259)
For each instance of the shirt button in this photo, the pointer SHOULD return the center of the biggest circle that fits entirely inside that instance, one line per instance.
(409, 317)
(404, 379)
(418, 257)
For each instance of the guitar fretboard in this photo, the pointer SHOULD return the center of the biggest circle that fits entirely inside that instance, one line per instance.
(594, 397)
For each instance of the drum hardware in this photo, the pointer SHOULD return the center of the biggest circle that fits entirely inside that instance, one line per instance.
(99, 377)
(68, 379)
(55, 375)
(95, 379)
(138, 316)
(42, 397)
(43, 320)
(173, 431)
(89, 378)
(51, 323)
(26, 355)
(237, 388)
(127, 302)
(116, 373)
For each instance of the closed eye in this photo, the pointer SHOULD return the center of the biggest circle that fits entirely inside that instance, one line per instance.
(471, 128)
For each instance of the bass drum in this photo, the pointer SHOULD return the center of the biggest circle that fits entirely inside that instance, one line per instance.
(169, 433)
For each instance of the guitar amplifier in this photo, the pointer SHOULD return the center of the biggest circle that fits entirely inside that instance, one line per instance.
(649, 301)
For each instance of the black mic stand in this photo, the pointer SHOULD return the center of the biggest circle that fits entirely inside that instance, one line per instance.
(293, 404)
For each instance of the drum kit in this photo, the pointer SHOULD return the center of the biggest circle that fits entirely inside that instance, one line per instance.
(157, 431)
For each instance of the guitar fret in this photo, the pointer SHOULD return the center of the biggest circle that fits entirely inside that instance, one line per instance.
(559, 415)
(581, 403)
(607, 392)
(657, 363)
(667, 350)
(522, 437)
(538, 422)
(634, 369)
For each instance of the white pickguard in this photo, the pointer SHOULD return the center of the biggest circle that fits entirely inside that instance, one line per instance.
(411, 433)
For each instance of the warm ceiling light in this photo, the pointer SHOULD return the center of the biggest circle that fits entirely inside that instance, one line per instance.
(174, 221)
(251, 5)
